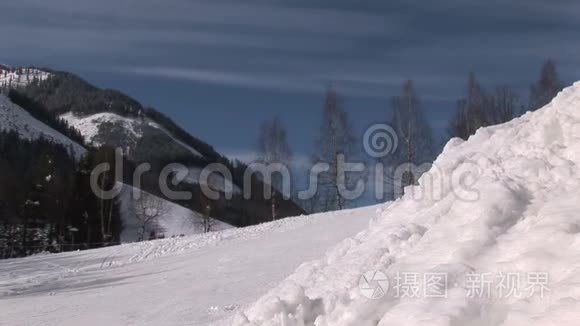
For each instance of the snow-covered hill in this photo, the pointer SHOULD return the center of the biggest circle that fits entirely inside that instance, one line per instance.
(106, 116)
(178, 220)
(13, 117)
(179, 281)
(90, 127)
(493, 239)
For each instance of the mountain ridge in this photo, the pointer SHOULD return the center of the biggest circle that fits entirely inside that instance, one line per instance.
(145, 135)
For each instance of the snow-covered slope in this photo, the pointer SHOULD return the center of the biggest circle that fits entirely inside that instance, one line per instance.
(134, 127)
(180, 281)
(490, 237)
(176, 220)
(89, 126)
(13, 117)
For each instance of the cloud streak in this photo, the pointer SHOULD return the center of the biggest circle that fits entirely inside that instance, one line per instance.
(227, 78)
(366, 49)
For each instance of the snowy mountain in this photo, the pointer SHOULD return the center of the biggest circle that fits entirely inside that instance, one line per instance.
(15, 118)
(177, 221)
(490, 237)
(105, 116)
(91, 127)
(109, 117)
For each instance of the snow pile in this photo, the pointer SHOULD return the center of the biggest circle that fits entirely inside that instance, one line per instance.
(14, 78)
(490, 237)
(13, 117)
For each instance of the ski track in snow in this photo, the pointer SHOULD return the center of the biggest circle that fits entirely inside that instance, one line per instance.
(523, 220)
(191, 280)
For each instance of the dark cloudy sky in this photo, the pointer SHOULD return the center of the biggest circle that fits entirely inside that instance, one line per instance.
(219, 67)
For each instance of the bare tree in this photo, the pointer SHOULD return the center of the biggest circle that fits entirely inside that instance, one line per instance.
(481, 109)
(106, 154)
(273, 148)
(502, 106)
(414, 133)
(206, 223)
(149, 211)
(336, 140)
(470, 114)
(546, 88)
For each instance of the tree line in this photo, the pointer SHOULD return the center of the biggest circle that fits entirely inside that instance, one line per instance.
(479, 107)
(46, 203)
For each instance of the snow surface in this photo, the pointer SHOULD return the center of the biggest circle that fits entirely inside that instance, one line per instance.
(13, 117)
(191, 280)
(516, 212)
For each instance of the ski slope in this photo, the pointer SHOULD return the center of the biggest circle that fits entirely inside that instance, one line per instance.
(191, 280)
(490, 237)
(13, 117)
